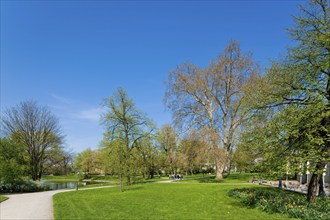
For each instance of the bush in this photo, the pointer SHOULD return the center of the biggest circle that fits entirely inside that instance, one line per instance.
(20, 186)
(284, 202)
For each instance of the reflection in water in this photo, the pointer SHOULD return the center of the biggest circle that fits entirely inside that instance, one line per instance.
(59, 185)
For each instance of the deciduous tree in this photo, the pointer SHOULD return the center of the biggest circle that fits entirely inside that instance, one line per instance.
(12, 161)
(89, 162)
(168, 142)
(35, 128)
(212, 98)
(297, 89)
(125, 125)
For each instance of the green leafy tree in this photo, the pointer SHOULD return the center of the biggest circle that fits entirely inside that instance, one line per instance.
(298, 91)
(126, 126)
(168, 143)
(193, 152)
(12, 161)
(114, 158)
(58, 162)
(89, 162)
(147, 158)
(244, 159)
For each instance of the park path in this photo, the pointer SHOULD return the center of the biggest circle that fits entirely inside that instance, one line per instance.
(32, 206)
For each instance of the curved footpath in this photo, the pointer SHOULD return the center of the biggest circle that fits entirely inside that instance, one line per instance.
(31, 206)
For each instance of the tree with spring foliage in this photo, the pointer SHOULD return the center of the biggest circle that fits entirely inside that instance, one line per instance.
(89, 162)
(147, 158)
(36, 129)
(12, 161)
(168, 143)
(59, 161)
(212, 99)
(297, 89)
(126, 126)
(194, 153)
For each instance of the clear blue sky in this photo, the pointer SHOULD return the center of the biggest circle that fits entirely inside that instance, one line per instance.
(69, 55)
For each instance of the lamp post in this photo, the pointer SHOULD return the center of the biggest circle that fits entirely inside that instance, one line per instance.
(77, 180)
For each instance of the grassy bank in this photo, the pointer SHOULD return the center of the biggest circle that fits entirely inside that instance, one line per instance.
(3, 198)
(156, 201)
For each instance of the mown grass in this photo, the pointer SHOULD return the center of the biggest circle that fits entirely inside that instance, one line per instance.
(70, 177)
(3, 198)
(114, 180)
(156, 201)
(231, 178)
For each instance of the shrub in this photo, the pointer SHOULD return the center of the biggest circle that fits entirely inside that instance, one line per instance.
(284, 202)
(20, 186)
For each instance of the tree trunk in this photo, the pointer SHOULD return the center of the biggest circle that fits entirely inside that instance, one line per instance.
(121, 181)
(120, 168)
(313, 183)
(312, 188)
(40, 171)
(219, 168)
(34, 170)
(229, 165)
(128, 179)
(321, 187)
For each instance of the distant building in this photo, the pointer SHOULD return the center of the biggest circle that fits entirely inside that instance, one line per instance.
(305, 178)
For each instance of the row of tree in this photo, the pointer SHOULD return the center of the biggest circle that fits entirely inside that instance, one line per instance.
(132, 146)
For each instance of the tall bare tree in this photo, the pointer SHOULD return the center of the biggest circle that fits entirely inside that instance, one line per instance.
(35, 128)
(212, 98)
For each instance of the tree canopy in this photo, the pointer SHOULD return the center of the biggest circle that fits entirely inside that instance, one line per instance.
(212, 98)
(126, 126)
(35, 128)
(294, 98)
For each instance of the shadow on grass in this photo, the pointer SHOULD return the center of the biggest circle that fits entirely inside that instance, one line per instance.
(211, 179)
(133, 188)
(230, 178)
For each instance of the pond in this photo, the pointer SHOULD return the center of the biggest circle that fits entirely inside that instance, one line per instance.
(53, 185)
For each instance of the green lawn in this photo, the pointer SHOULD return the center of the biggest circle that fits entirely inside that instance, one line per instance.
(232, 178)
(70, 177)
(156, 201)
(3, 198)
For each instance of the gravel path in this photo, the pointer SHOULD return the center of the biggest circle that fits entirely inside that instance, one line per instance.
(23, 206)
(31, 206)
